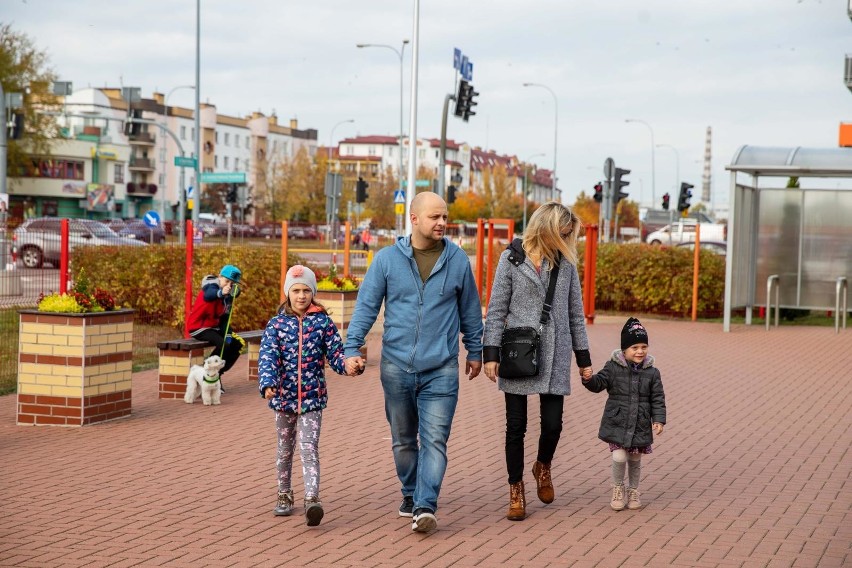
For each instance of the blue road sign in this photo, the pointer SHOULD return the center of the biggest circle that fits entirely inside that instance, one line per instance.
(189, 192)
(457, 55)
(152, 219)
(399, 196)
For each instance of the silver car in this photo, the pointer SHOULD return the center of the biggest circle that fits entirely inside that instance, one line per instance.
(37, 241)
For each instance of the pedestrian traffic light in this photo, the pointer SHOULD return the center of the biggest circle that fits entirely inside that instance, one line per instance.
(684, 197)
(619, 183)
(599, 192)
(231, 196)
(666, 199)
(361, 190)
(471, 102)
(451, 194)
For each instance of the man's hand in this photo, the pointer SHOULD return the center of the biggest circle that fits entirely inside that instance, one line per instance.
(472, 369)
(354, 366)
(491, 370)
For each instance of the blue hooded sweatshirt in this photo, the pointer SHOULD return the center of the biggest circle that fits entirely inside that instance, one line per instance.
(422, 319)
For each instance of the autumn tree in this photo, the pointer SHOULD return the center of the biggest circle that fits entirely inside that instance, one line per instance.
(296, 190)
(469, 206)
(24, 70)
(379, 206)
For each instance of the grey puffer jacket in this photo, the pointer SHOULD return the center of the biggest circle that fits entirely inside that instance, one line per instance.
(636, 400)
(517, 297)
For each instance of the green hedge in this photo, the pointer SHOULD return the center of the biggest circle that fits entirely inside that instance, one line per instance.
(641, 278)
(151, 279)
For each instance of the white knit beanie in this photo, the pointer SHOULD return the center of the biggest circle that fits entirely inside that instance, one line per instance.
(299, 274)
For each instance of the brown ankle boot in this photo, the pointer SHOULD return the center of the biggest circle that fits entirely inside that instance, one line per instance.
(543, 482)
(517, 502)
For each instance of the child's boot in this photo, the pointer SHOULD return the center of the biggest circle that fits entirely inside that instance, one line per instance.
(313, 511)
(517, 502)
(284, 508)
(617, 502)
(633, 502)
(543, 482)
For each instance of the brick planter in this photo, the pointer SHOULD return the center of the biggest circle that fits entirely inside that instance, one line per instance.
(340, 306)
(74, 369)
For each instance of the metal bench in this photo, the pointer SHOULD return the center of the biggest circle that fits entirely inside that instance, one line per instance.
(178, 355)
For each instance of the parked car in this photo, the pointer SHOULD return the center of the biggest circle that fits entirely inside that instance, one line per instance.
(656, 219)
(719, 247)
(37, 241)
(308, 233)
(136, 229)
(683, 230)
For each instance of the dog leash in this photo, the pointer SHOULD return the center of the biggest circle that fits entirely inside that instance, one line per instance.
(228, 325)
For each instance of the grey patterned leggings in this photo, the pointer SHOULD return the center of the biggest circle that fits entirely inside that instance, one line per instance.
(309, 425)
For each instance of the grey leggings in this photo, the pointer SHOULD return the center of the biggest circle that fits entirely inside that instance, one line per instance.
(309, 425)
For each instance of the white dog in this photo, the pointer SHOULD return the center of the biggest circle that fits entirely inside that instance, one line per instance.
(204, 381)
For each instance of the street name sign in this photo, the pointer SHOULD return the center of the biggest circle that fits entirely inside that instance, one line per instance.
(223, 177)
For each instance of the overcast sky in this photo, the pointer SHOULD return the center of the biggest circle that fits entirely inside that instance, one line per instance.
(759, 72)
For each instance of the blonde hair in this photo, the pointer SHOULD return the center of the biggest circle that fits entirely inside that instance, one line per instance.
(543, 235)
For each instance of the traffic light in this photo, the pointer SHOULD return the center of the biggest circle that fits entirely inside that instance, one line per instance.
(231, 197)
(619, 183)
(684, 197)
(599, 192)
(666, 199)
(15, 128)
(361, 190)
(451, 194)
(465, 100)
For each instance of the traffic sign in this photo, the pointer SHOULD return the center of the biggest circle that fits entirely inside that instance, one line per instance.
(400, 208)
(223, 177)
(399, 196)
(609, 168)
(185, 162)
(418, 183)
(152, 219)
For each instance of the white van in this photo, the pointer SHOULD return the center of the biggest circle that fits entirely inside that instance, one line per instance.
(683, 231)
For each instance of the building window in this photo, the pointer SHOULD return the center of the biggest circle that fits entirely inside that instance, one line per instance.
(237, 140)
(49, 168)
(226, 157)
(118, 177)
(193, 134)
(183, 132)
(215, 161)
(371, 150)
(247, 141)
(236, 164)
(162, 180)
(421, 154)
(217, 137)
(227, 139)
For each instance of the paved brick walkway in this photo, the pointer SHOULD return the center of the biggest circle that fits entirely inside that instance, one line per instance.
(753, 470)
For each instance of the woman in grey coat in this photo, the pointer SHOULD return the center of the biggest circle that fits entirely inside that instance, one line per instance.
(517, 297)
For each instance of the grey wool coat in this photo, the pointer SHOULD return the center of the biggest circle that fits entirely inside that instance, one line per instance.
(517, 297)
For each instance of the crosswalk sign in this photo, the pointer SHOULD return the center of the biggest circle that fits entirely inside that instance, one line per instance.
(399, 196)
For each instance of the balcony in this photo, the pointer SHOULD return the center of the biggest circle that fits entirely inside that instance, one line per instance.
(142, 138)
(141, 164)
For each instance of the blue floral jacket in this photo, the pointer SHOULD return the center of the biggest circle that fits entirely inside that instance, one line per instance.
(292, 360)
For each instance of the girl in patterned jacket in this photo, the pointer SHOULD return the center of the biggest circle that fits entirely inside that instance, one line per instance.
(295, 345)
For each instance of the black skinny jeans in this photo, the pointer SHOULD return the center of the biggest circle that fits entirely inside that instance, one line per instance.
(232, 349)
(516, 428)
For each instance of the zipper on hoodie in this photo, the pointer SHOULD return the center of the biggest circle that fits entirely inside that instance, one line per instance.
(421, 290)
(299, 369)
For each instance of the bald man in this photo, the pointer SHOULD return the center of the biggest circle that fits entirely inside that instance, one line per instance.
(430, 296)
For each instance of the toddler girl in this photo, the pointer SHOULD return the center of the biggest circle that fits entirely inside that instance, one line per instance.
(634, 411)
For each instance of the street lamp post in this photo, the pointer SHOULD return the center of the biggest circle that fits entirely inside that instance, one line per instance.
(332, 222)
(163, 155)
(677, 164)
(399, 52)
(653, 166)
(526, 172)
(555, 131)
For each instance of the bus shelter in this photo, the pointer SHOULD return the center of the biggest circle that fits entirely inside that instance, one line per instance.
(788, 247)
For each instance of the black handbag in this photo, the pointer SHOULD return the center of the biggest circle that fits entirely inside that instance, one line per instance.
(519, 345)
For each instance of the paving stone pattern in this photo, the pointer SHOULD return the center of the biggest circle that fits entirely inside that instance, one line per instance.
(753, 470)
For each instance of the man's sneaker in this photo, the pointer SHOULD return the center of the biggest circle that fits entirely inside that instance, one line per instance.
(284, 508)
(633, 502)
(313, 511)
(424, 520)
(406, 508)
(617, 502)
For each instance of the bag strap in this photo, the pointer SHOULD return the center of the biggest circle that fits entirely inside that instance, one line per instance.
(548, 299)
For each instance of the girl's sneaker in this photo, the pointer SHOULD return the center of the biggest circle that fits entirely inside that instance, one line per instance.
(313, 511)
(633, 502)
(617, 502)
(284, 508)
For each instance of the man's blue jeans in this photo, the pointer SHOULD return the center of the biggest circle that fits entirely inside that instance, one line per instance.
(421, 403)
